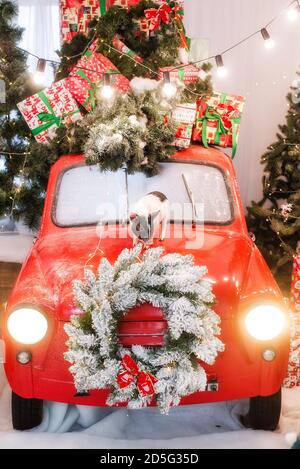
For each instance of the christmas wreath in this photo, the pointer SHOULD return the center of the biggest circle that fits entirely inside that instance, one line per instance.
(135, 376)
(135, 25)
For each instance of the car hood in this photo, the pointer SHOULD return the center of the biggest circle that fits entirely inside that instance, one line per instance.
(63, 259)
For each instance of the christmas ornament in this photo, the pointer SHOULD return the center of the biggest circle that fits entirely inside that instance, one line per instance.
(171, 282)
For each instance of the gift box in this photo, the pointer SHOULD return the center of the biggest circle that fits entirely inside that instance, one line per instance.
(49, 109)
(293, 376)
(87, 76)
(295, 284)
(184, 115)
(77, 14)
(292, 379)
(120, 46)
(123, 3)
(218, 120)
(188, 74)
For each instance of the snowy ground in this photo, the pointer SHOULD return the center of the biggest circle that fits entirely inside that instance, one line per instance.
(203, 426)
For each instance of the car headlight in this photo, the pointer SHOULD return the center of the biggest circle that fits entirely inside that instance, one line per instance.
(27, 325)
(265, 322)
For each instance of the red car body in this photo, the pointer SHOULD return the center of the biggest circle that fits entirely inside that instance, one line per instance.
(240, 276)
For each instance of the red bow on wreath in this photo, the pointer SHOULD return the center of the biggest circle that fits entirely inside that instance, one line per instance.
(144, 381)
(156, 16)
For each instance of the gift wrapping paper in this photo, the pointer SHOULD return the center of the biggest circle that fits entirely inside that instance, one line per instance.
(49, 109)
(184, 115)
(188, 75)
(218, 120)
(77, 14)
(293, 376)
(88, 73)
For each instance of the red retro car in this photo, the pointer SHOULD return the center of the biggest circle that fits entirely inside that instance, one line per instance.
(254, 322)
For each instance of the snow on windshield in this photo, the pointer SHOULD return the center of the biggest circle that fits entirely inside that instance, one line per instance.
(86, 195)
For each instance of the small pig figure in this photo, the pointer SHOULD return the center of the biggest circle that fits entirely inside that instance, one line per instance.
(147, 213)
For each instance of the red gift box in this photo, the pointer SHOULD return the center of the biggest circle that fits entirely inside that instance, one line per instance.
(295, 285)
(77, 14)
(49, 109)
(293, 377)
(122, 3)
(184, 115)
(188, 75)
(120, 46)
(218, 120)
(88, 73)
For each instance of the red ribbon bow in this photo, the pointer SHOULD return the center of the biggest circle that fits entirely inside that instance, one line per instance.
(158, 15)
(144, 381)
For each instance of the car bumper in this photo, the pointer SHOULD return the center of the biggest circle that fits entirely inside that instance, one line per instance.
(240, 372)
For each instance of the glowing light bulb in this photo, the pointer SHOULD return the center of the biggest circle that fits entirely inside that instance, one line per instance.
(39, 75)
(268, 41)
(107, 91)
(221, 69)
(269, 44)
(293, 13)
(169, 89)
(222, 72)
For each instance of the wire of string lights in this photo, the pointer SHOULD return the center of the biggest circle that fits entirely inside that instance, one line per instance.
(292, 10)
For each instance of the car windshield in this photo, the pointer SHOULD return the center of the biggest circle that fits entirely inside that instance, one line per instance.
(196, 192)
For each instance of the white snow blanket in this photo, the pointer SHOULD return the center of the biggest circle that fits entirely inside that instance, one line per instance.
(202, 426)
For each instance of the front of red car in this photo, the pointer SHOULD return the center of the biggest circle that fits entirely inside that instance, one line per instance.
(253, 318)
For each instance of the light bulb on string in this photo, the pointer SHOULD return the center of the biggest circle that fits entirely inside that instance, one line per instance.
(293, 13)
(169, 89)
(221, 69)
(268, 41)
(39, 75)
(107, 91)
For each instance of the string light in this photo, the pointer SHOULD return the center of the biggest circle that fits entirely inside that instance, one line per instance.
(169, 89)
(39, 76)
(268, 41)
(291, 9)
(221, 69)
(293, 13)
(107, 91)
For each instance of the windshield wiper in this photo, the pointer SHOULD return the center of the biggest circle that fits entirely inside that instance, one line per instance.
(192, 199)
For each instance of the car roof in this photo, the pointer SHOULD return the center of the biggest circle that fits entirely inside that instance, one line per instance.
(195, 153)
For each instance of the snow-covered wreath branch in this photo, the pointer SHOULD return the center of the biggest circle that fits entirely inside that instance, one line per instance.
(171, 282)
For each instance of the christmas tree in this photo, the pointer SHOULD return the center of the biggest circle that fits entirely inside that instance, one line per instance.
(275, 220)
(23, 178)
(14, 133)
